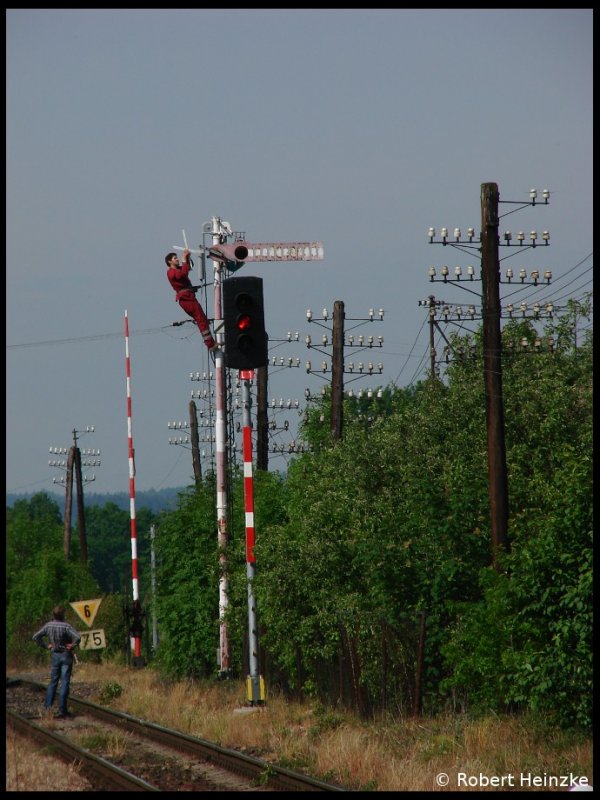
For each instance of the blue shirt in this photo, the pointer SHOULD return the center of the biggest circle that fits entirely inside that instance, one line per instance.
(59, 635)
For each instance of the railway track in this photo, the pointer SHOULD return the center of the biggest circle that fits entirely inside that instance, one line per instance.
(143, 756)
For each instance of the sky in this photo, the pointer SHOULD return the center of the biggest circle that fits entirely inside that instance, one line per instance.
(356, 128)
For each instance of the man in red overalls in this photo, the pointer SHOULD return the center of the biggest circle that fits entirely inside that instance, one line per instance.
(178, 276)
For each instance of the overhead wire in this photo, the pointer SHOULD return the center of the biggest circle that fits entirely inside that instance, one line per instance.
(75, 339)
(572, 285)
(555, 281)
(411, 350)
(419, 369)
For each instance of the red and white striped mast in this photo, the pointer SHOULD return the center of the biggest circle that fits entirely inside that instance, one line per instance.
(136, 641)
(255, 684)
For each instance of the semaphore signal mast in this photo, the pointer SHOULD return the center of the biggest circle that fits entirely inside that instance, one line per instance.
(232, 256)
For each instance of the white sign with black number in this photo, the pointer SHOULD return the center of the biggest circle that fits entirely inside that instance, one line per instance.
(92, 640)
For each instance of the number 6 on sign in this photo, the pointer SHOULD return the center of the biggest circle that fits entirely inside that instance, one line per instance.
(86, 610)
(92, 640)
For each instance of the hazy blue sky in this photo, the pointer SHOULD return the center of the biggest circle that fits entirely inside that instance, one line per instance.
(359, 128)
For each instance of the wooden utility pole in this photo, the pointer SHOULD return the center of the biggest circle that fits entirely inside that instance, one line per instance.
(431, 337)
(492, 370)
(262, 422)
(68, 504)
(337, 371)
(195, 443)
(83, 554)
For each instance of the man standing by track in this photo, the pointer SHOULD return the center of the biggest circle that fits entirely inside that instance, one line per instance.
(62, 638)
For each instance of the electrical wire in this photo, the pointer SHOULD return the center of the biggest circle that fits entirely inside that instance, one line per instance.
(555, 281)
(177, 460)
(411, 350)
(98, 336)
(27, 485)
(572, 286)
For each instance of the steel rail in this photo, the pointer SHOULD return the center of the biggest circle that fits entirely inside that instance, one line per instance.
(248, 766)
(68, 751)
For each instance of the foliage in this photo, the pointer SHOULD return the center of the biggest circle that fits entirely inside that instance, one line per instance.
(395, 518)
(367, 534)
(39, 577)
(31, 528)
(270, 493)
(109, 691)
(188, 556)
(370, 541)
(154, 500)
(109, 546)
(187, 585)
(528, 641)
(49, 580)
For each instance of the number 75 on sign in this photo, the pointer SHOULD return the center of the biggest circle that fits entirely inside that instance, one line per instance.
(92, 640)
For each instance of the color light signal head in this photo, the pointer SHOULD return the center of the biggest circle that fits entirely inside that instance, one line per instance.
(243, 314)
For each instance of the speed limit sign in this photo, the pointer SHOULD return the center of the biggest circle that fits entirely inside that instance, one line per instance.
(92, 640)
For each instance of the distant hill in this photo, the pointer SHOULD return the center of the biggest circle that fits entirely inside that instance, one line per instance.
(154, 499)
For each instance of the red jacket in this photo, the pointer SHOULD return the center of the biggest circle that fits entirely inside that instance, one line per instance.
(179, 280)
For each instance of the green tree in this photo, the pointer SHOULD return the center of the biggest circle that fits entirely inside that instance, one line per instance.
(38, 576)
(109, 546)
(32, 527)
(187, 585)
(528, 641)
(364, 534)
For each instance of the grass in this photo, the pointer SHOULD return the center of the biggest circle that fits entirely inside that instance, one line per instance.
(113, 744)
(28, 769)
(383, 755)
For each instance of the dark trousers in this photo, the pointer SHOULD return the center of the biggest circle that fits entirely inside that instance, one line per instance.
(61, 667)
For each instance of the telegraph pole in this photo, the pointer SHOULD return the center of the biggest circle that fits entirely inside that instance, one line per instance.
(195, 443)
(492, 369)
(337, 371)
(491, 313)
(431, 337)
(83, 555)
(68, 504)
(338, 365)
(206, 415)
(74, 464)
